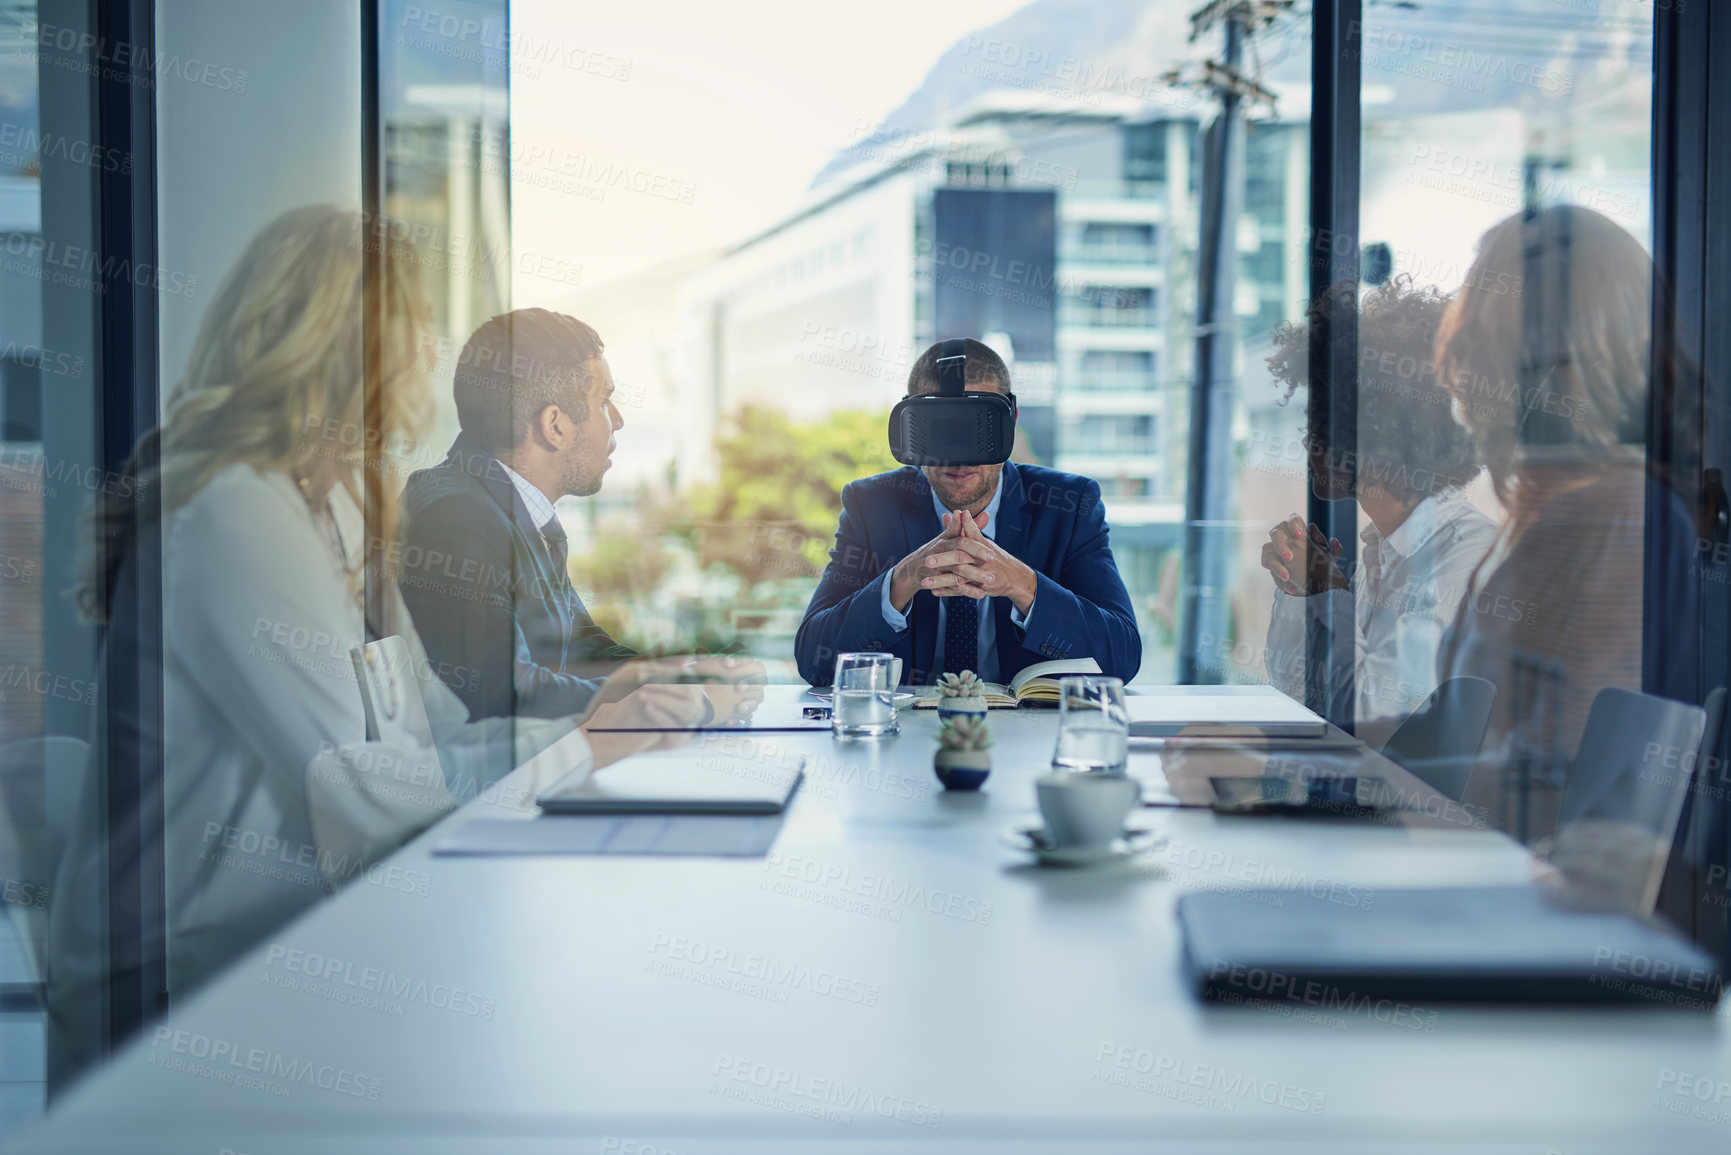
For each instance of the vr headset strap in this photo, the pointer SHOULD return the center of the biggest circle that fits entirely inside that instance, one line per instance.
(952, 366)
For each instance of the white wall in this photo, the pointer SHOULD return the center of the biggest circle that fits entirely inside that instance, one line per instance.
(258, 111)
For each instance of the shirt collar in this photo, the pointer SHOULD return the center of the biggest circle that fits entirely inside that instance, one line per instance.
(540, 509)
(1424, 522)
(991, 529)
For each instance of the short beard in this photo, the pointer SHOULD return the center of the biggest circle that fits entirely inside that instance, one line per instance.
(582, 482)
(988, 482)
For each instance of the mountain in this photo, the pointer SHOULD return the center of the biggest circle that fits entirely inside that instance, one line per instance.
(1420, 56)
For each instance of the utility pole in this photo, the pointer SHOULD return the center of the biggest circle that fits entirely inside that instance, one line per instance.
(1204, 638)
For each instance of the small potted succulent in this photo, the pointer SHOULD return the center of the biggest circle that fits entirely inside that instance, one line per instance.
(964, 756)
(961, 695)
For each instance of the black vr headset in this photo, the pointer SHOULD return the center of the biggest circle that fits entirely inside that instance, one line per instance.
(953, 426)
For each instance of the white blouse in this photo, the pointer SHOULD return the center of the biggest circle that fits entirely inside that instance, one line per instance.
(273, 796)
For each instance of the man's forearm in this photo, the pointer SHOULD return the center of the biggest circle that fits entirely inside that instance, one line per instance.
(902, 586)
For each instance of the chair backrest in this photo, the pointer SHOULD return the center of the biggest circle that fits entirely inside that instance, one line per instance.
(1439, 742)
(1618, 814)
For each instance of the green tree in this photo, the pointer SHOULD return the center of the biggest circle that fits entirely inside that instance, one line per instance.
(772, 512)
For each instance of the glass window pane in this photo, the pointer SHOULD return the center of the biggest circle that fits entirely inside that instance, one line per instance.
(767, 263)
(1505, 229)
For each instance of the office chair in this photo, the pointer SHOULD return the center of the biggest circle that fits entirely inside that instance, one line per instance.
(1439, 742)
(1619, 810)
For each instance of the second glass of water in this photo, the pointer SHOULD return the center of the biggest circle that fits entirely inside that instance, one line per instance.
(864, 705)
(1093, 725)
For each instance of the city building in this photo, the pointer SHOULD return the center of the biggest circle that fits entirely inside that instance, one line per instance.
(1088, 287)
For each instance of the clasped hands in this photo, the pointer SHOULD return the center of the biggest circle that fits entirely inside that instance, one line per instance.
(1302, 559)
(962, 562)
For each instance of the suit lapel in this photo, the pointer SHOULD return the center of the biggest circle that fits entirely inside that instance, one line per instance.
(529, 550)
(920, 525)
(1011, 534)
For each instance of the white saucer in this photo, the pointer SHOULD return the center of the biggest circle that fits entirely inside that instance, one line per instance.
(1032, 839)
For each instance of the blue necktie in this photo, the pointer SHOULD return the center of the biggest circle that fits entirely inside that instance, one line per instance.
(559, 548)
(961, 635)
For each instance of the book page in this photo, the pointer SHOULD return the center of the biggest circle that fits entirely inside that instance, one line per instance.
(1053, 670)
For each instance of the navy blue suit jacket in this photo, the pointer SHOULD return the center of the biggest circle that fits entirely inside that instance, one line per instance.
(502, 627)
(1051, 521)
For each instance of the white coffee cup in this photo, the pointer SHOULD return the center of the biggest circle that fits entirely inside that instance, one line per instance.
(1085, 810)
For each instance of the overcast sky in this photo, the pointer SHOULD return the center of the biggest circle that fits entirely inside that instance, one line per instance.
(734, 106)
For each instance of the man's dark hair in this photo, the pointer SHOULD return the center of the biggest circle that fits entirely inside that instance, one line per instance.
(517, 364)
(983, 366)
(1408, 440)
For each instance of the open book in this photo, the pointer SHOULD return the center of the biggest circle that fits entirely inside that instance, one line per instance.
(1036, 685)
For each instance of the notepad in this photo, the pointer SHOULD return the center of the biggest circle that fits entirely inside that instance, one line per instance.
(1220, 712)
(696, 779)
(1486, 945)
(1035, 685)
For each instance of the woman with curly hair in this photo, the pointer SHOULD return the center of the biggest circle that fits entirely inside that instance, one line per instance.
(1423, 535)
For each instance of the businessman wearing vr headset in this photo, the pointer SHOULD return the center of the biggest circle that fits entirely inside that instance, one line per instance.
(962, 560)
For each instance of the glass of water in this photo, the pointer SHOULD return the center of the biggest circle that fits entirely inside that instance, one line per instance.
(864, 705)
(1093, 725)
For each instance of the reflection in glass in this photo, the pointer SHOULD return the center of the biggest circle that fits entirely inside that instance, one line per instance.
(269, 524)
(1553, 384)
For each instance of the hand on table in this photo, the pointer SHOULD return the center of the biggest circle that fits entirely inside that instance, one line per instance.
(974, 566)
(634, 699)
(1302, 560)
(733, 685)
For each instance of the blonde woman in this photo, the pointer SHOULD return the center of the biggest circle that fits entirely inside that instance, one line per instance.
(269, 525)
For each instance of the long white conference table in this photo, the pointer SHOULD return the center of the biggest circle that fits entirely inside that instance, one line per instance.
(892, 974)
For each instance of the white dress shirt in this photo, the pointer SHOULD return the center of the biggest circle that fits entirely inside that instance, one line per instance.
(988, 665)
(1405, 590)
(541, 510)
